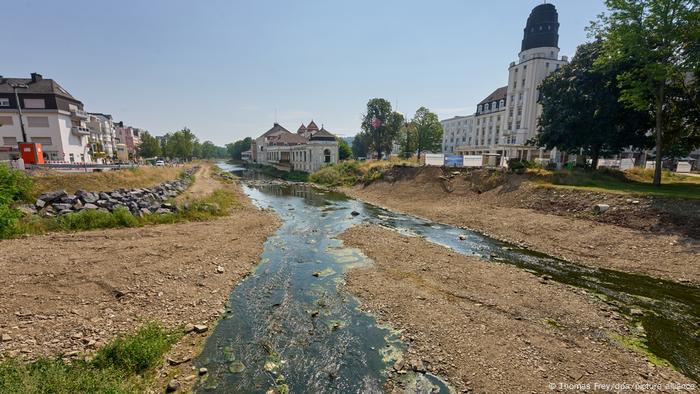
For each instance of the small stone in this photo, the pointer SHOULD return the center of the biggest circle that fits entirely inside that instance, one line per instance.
(636, 312)
(173, 386)
(189, 327)
(203, 371)
(200, 328)
(219, 270)
(462, 237)
(5, 338)
(354, 213)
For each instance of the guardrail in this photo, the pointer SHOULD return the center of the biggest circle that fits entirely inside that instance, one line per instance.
(81, 167)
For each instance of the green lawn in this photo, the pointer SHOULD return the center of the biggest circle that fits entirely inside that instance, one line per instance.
(635, 182)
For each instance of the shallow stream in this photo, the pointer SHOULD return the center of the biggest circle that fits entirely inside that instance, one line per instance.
(289, 325)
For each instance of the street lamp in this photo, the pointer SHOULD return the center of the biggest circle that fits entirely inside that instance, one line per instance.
(16, 86)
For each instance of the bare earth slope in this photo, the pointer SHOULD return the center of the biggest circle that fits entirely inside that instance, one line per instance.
(497, 212)
(491, 328)
(69, 293)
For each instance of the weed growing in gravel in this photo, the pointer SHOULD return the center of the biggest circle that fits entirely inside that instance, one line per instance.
(122, 366)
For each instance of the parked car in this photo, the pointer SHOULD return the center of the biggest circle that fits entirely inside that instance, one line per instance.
(160, 163)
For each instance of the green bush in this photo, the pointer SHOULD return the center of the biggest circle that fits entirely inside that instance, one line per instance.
(342, 173)
(15, 186)
(93, 219)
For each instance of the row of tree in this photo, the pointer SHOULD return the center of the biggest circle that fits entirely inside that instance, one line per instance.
(182, 144)
(637, 84)
(383, 127)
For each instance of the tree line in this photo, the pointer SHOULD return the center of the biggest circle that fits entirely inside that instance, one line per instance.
(182, 144)
(382, 128)
(637, 84)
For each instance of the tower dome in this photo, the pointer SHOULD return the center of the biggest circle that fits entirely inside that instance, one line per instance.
(542, 28)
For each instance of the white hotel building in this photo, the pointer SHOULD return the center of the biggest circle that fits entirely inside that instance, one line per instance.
(507, 119)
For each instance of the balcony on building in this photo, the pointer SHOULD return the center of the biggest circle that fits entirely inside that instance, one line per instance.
(78, 113)
(80, 131)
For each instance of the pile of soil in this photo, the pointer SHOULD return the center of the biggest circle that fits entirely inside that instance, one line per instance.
(489, 327)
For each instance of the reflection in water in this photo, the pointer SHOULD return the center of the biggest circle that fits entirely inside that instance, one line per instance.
(289, 325)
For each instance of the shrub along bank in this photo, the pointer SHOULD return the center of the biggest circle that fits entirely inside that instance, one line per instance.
(124, 365)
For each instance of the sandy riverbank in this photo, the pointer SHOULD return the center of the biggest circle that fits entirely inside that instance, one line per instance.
(70, 293)
(490, 327)
(504, 213)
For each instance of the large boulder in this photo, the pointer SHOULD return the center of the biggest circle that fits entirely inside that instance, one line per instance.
(53, 196)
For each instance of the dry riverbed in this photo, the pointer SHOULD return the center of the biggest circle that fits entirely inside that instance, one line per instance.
(489, 327)
(503, 213)
(70, 293)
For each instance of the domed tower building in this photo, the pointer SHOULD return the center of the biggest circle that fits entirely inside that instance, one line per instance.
(538, 57)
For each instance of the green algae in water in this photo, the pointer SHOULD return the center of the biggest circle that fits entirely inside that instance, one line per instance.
(236, 367)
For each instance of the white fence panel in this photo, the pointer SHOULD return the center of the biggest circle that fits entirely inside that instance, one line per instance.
(434, 159)
(473, 161)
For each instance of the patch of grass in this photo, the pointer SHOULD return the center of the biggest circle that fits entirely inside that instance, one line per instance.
(635, 181)
(640, 346)
(122, 366)
(108, 180)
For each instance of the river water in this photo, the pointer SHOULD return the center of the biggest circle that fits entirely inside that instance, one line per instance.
(290, 325)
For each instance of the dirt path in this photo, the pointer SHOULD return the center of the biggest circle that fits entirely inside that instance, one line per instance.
(491, 328)
(70, 293)
(203, 185)
(584, 241)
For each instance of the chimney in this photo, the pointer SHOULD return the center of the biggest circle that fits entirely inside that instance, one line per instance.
(36, 77)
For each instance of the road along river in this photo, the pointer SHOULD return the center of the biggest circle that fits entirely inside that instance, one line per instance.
(291, 327)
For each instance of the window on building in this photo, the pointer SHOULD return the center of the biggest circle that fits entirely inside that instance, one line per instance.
(9, 141)
(517, 125)
(6, 121)
(38, 121)
(520, 111)
(525, 67)
(515, 84)
(546, 65)
(34, 103)
(327, 155)
(510, 126)
(523, 84)
(4, 102)
(46, 141)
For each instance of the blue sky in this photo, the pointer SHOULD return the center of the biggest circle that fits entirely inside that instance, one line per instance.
(224, 68)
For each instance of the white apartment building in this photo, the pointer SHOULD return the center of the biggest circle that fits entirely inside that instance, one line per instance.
(51, 117)
(103, 135)
(507, 119)
(456, 131)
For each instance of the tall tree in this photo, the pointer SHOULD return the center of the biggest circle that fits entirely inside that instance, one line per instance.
(581, 108)
(655, 34)
(408, 139)
(344, 151)
(236, 148)
(209, 150)
(375, 123)
(428, 131)
(149, 146)
(361, 144)
(181, 144)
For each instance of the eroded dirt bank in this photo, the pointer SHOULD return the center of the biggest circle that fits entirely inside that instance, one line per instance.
(70, 293)
(510, 212)
(490, 327)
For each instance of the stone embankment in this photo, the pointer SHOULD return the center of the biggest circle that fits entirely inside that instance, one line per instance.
(139, 201)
